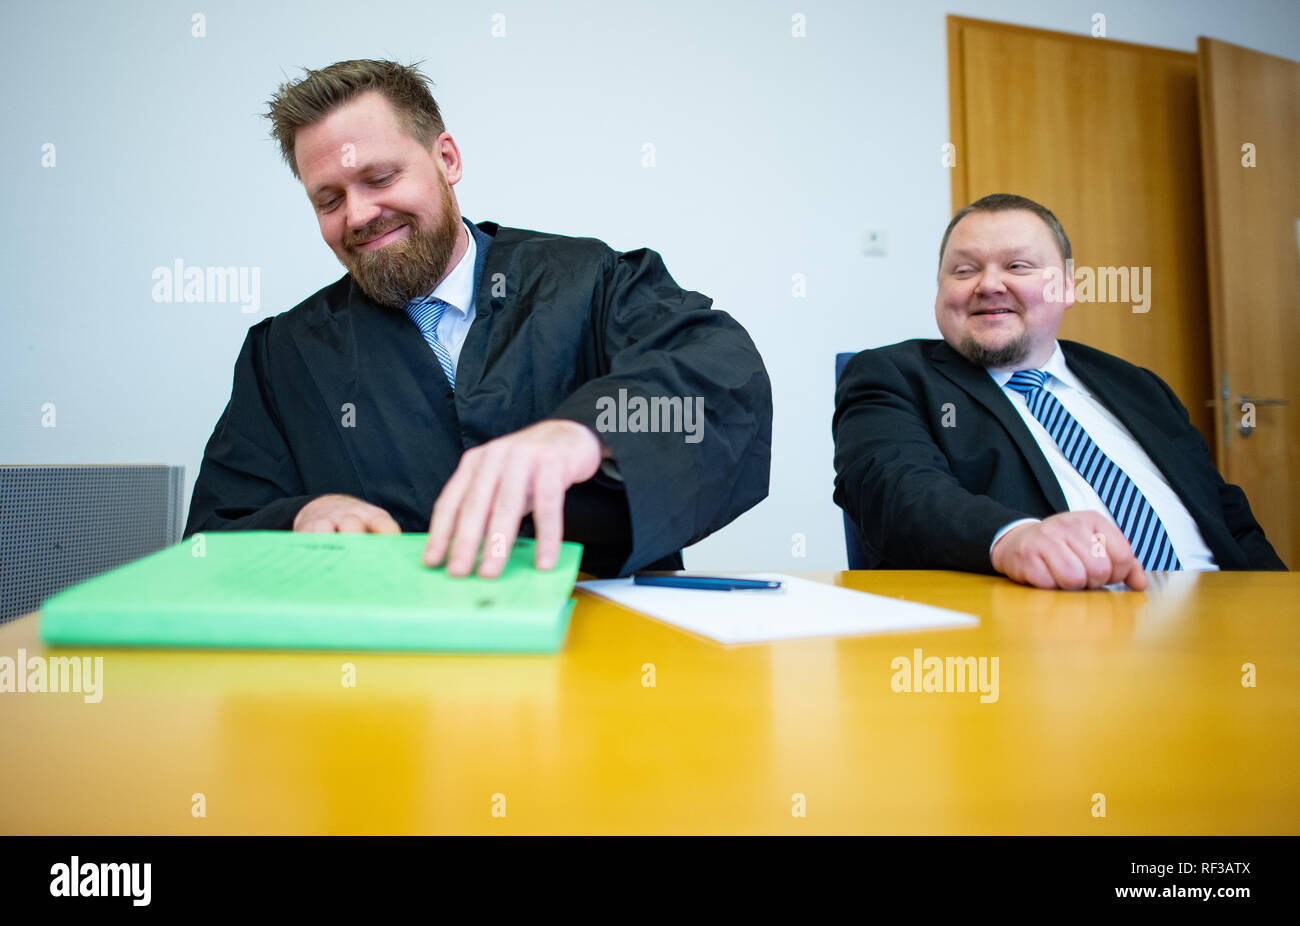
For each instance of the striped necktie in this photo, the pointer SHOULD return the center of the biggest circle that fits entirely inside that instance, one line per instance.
(1132, 512)
(426, 316)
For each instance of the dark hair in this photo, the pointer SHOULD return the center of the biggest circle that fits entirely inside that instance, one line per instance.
(1004, 202)
(309, 100)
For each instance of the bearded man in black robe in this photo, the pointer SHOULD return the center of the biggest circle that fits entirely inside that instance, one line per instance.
(476, 381)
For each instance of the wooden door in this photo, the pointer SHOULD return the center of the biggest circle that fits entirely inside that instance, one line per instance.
(1250, 125)
(1106, 135)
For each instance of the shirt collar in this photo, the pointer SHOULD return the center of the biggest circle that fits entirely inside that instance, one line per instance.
(457, 287)
(1055, 366)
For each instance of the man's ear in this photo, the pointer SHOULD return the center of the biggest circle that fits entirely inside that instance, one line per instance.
(1069, 283)
(447, 154)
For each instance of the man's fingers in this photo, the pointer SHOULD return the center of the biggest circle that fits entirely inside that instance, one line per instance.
(350, 523)
(507, 511)
(346, 514)
(1095, 555)
(379, 521)
(473, 514)
(1064, 564)
(1121, 554)
(548, 514)
(1124, 565)
(1071, 550)
(1033, 571)
(562, 452)
(1136, 578)
(446, 509)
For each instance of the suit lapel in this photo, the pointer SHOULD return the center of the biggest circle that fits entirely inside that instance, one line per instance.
(1119, 400)
(473, 353)
(976, 382)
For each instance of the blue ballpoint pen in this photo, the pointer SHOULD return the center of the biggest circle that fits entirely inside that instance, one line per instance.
(714, 583)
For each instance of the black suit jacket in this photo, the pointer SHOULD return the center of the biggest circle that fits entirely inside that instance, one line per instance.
(929, 496)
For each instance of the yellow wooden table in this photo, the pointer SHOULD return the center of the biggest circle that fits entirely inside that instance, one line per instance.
(1129, 702)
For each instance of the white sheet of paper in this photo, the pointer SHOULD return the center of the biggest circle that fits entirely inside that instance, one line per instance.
(800, 608)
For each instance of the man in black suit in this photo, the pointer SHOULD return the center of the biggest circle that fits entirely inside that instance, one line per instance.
(1000, 449)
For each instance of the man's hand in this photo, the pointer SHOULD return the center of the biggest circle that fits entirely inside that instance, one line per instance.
(499, 482)
(344, 514)
(1075, 549)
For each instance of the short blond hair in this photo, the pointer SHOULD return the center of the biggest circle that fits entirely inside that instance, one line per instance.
(307, 101)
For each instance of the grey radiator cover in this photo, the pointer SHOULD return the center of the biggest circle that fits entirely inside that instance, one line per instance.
(62, 524)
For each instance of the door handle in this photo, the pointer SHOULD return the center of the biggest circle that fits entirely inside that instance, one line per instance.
(1243, 428)
(1247, 429)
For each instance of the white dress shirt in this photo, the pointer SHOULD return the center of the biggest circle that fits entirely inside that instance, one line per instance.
(1114, 440)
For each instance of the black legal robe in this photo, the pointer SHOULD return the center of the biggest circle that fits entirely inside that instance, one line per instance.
(341, 395)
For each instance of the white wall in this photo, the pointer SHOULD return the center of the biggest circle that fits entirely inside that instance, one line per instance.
(774, 155)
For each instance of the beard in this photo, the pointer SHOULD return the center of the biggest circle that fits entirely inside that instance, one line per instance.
(1008, 355)
(409, 268)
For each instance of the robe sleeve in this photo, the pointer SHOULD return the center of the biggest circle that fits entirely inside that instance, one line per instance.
(657, 340)
(248, 479)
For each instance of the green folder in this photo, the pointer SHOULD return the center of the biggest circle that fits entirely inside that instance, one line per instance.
(315, 591)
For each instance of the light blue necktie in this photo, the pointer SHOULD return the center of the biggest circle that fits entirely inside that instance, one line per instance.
(1136, 518)
(426, 316)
